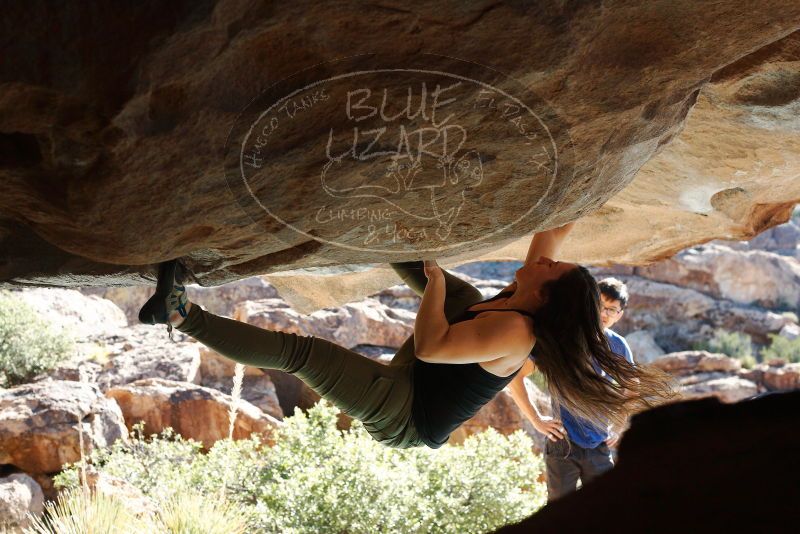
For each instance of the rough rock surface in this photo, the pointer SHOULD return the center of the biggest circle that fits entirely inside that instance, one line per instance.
(643, 346)
(104, 116)
(782, 239)
(725, 388)
(130, 354)
(257, 386)
(39, 424)
(364, 322)
(703, 374)
(754, 277)
(782, 378)
(697, 361)
(81, 315)
(257, 390)
(790, 331)
(192, 411)
(678, 317)
(19, 496)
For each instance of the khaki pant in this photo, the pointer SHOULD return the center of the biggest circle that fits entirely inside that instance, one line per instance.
(380, 396)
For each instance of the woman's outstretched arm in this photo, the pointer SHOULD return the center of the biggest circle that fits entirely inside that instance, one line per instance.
(548, 243)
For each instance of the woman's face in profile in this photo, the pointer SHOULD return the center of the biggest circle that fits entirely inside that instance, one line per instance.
(530, 278)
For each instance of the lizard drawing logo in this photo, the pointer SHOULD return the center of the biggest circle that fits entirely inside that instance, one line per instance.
(382, 155)
(428, 186)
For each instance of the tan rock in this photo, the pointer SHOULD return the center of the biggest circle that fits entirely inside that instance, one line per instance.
(258, 390)
(755, 375)
(38, 424)
(718, 362)
(399, 296)
(747, 277)
(720, 172)
(643, 346)
(215, 366)
(20, 495)
(361, 323)
(679, 317)
(790, 331)
(782, 378)
(192, 411)
(47, 484)
(133, 353)
(696, 361)
(726, 389)
(81, 315)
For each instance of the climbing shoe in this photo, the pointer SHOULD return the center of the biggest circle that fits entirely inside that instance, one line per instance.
(170, 296)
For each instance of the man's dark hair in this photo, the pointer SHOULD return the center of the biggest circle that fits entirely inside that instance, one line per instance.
(614, 289)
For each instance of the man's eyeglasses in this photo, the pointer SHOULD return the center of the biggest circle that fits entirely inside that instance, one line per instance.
(613, 312)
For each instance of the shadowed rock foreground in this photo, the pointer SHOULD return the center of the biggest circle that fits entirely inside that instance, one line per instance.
(696, 466)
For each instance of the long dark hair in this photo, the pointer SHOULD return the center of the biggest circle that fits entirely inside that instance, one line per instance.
(571, 349)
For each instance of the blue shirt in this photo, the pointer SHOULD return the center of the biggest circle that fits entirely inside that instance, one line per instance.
(580, 431)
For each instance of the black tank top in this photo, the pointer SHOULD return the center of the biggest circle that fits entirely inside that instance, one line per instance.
(446, 395)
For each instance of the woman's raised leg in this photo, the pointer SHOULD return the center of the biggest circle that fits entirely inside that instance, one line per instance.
(378, 395)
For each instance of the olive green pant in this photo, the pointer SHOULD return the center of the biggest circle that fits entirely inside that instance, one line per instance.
(380, 396)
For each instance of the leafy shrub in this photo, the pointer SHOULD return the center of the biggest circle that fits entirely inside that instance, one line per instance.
(734, 344)
(160, 467)
(749, 361)
(318, 479)
(783, 348)
(29, 345)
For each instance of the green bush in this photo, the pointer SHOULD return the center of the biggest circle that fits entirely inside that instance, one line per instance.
(318, 479)
(749, 361)
(29, 345)
(734, 344)
(780, 347)
(539, 380)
